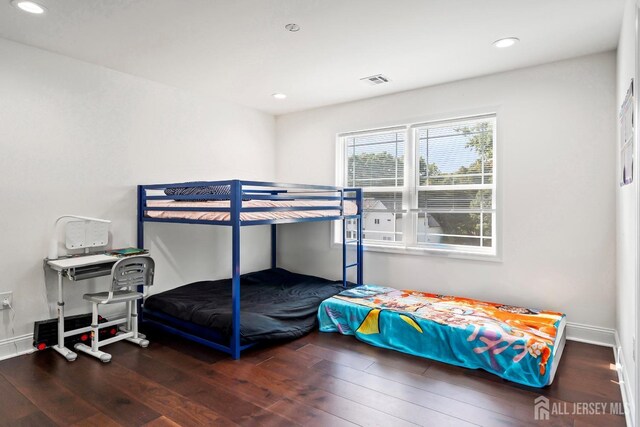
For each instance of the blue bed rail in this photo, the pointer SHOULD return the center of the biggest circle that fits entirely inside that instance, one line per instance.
(255, 190)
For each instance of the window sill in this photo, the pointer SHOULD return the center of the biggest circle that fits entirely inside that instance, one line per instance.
(424, 251)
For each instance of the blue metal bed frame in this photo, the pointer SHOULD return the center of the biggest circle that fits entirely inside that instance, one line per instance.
(255, 190)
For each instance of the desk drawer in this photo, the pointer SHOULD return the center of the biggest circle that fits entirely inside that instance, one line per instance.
(90, 271)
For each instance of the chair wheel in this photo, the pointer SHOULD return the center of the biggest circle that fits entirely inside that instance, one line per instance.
(144, 343)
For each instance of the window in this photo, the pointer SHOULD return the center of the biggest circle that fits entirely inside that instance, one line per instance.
(427, 186)
(375, 162)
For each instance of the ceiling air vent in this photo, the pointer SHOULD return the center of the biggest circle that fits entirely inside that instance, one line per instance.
(377, 79)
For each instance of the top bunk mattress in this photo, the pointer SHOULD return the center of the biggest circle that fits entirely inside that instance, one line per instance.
(350, 208)
(274, 304)
(515, 343)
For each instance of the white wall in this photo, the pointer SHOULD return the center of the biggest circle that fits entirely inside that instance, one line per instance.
(77, 138)
(627, 208)
(556, 129)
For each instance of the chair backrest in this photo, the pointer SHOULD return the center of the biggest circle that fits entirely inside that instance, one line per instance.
(132, 272)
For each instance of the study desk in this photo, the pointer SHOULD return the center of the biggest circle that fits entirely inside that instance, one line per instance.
(78, 268)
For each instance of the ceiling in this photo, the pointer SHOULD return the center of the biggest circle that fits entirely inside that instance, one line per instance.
(239, 50)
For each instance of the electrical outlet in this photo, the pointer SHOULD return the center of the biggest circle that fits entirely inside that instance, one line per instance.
(6, 300)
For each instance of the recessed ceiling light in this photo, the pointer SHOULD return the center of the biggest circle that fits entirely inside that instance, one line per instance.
(279, 95)
(506, 42)
(292, 27)
(29, 6)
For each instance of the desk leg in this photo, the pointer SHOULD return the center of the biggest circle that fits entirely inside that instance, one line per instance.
(60, 348)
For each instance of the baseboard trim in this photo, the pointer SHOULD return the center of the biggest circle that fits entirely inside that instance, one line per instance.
(16, 346)
(591, 334)
(623, 380)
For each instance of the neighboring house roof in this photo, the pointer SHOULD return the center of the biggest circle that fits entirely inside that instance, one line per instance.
(373, 204)
(431, 222)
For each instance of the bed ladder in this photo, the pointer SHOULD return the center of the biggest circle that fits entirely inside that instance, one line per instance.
(358, 241)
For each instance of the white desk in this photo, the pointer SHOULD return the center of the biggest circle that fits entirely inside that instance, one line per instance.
(76, 268)
(80, 261)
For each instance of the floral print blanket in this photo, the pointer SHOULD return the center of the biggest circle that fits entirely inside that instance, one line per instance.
(515, 343)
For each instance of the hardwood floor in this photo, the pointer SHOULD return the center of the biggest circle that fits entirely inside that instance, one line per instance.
(319, 380)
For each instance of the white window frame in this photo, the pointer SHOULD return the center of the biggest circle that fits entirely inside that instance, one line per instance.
(409, 245)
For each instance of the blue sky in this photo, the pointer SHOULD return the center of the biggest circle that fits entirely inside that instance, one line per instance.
(447, 152)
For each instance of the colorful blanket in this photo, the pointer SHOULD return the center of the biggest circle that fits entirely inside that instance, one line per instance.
(515, 343)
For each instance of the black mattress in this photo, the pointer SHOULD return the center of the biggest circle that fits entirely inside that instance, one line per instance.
(275, 304)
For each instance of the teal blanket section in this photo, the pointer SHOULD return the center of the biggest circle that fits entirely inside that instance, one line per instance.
(507, 346)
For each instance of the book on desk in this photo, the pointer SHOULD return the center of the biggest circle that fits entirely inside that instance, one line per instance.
(125, 252)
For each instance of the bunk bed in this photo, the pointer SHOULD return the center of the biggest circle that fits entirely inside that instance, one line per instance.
(237, 204)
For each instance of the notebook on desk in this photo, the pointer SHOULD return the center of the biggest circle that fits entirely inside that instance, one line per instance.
(128, 252)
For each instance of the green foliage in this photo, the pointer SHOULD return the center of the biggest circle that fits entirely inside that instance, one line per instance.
(482, 139)
(375, 169)
(426, 170)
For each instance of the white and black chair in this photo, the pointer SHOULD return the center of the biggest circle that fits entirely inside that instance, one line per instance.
(126, 276)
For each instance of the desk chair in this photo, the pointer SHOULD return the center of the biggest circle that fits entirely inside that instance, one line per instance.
(126, 276)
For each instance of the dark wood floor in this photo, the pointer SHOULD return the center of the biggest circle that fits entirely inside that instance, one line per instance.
(322, 379)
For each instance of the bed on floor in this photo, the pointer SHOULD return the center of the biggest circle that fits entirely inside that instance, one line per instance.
(516, 343)
(275, 304)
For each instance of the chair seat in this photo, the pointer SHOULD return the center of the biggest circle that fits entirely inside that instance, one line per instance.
(118, 296)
